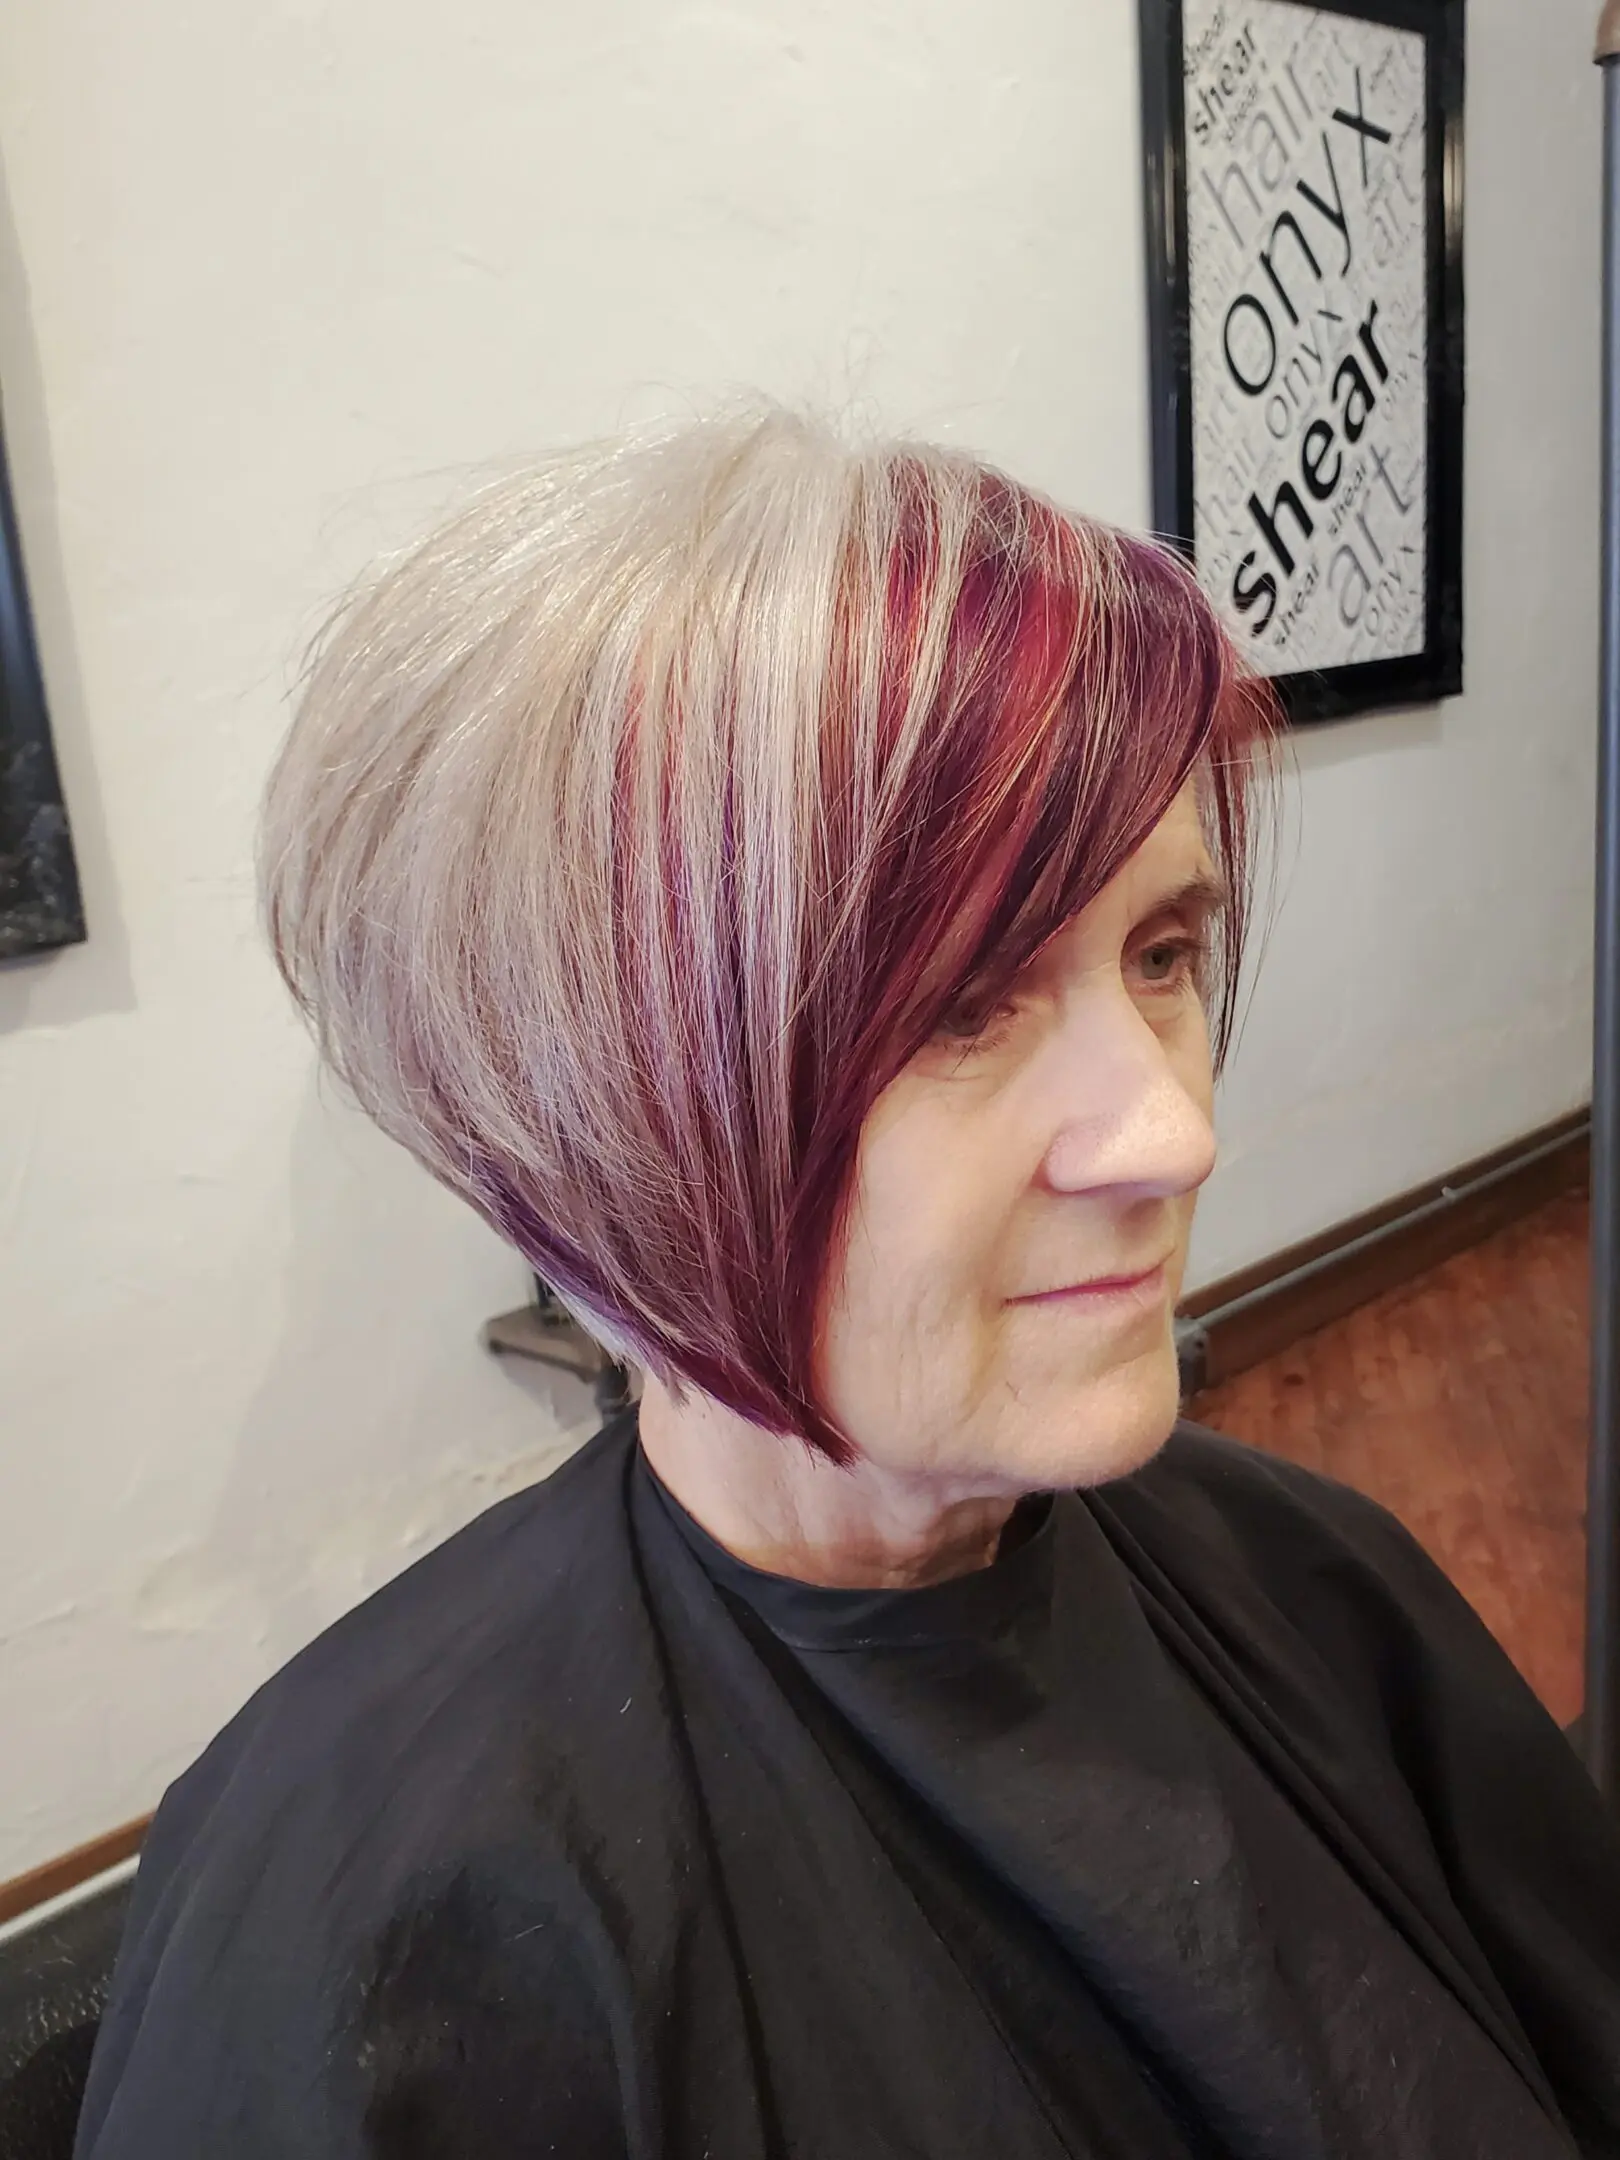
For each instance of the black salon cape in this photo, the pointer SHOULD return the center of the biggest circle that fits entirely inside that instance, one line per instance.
(1207, 1821)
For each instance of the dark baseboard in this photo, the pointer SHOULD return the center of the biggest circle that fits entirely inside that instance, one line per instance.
(1228, 1326)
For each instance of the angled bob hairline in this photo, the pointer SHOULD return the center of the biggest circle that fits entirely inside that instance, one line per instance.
(636, 828)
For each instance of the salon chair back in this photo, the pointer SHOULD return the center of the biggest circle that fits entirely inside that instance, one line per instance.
(54, 1978)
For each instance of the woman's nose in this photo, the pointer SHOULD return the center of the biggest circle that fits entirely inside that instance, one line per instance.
(1131, 1116)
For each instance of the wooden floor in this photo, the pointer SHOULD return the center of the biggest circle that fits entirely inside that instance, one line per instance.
(1460, 1402)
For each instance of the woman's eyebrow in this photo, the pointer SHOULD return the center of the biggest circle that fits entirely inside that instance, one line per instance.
(1205, 893)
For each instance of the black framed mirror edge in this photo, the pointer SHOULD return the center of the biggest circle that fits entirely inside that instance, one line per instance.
(41, 905)
(1436, 672)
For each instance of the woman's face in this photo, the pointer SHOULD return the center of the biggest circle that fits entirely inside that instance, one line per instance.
(1055, 1144)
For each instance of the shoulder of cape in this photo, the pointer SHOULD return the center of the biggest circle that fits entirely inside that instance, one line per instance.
(532, 1569)
(503, 1642)
(1218, 1471)
(1209, 1504)
(439, 1772)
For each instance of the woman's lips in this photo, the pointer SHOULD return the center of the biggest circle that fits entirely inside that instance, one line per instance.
(1147, 1288)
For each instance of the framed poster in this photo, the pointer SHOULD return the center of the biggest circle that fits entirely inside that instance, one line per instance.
(1304, 220)
(39, 884)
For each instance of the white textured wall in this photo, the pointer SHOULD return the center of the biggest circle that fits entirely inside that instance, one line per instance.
(1427, 992)
(273, 275)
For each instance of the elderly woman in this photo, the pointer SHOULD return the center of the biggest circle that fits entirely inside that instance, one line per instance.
(793, 892)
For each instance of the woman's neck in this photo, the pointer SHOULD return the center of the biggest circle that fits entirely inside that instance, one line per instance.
(776, 1505)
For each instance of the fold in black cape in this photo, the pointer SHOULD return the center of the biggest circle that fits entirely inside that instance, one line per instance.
(1207, 1821)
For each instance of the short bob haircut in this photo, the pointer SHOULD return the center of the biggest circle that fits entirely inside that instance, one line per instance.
(639, 826)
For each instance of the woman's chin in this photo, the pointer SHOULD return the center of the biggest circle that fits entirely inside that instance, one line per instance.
(1088, 1431)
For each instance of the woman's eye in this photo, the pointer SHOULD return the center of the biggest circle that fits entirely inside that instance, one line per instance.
(975, 1024)
(971, 1025)
(1172, 962)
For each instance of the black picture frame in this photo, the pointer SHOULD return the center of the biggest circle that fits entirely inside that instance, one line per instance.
(1316, 691)
(40, 904)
